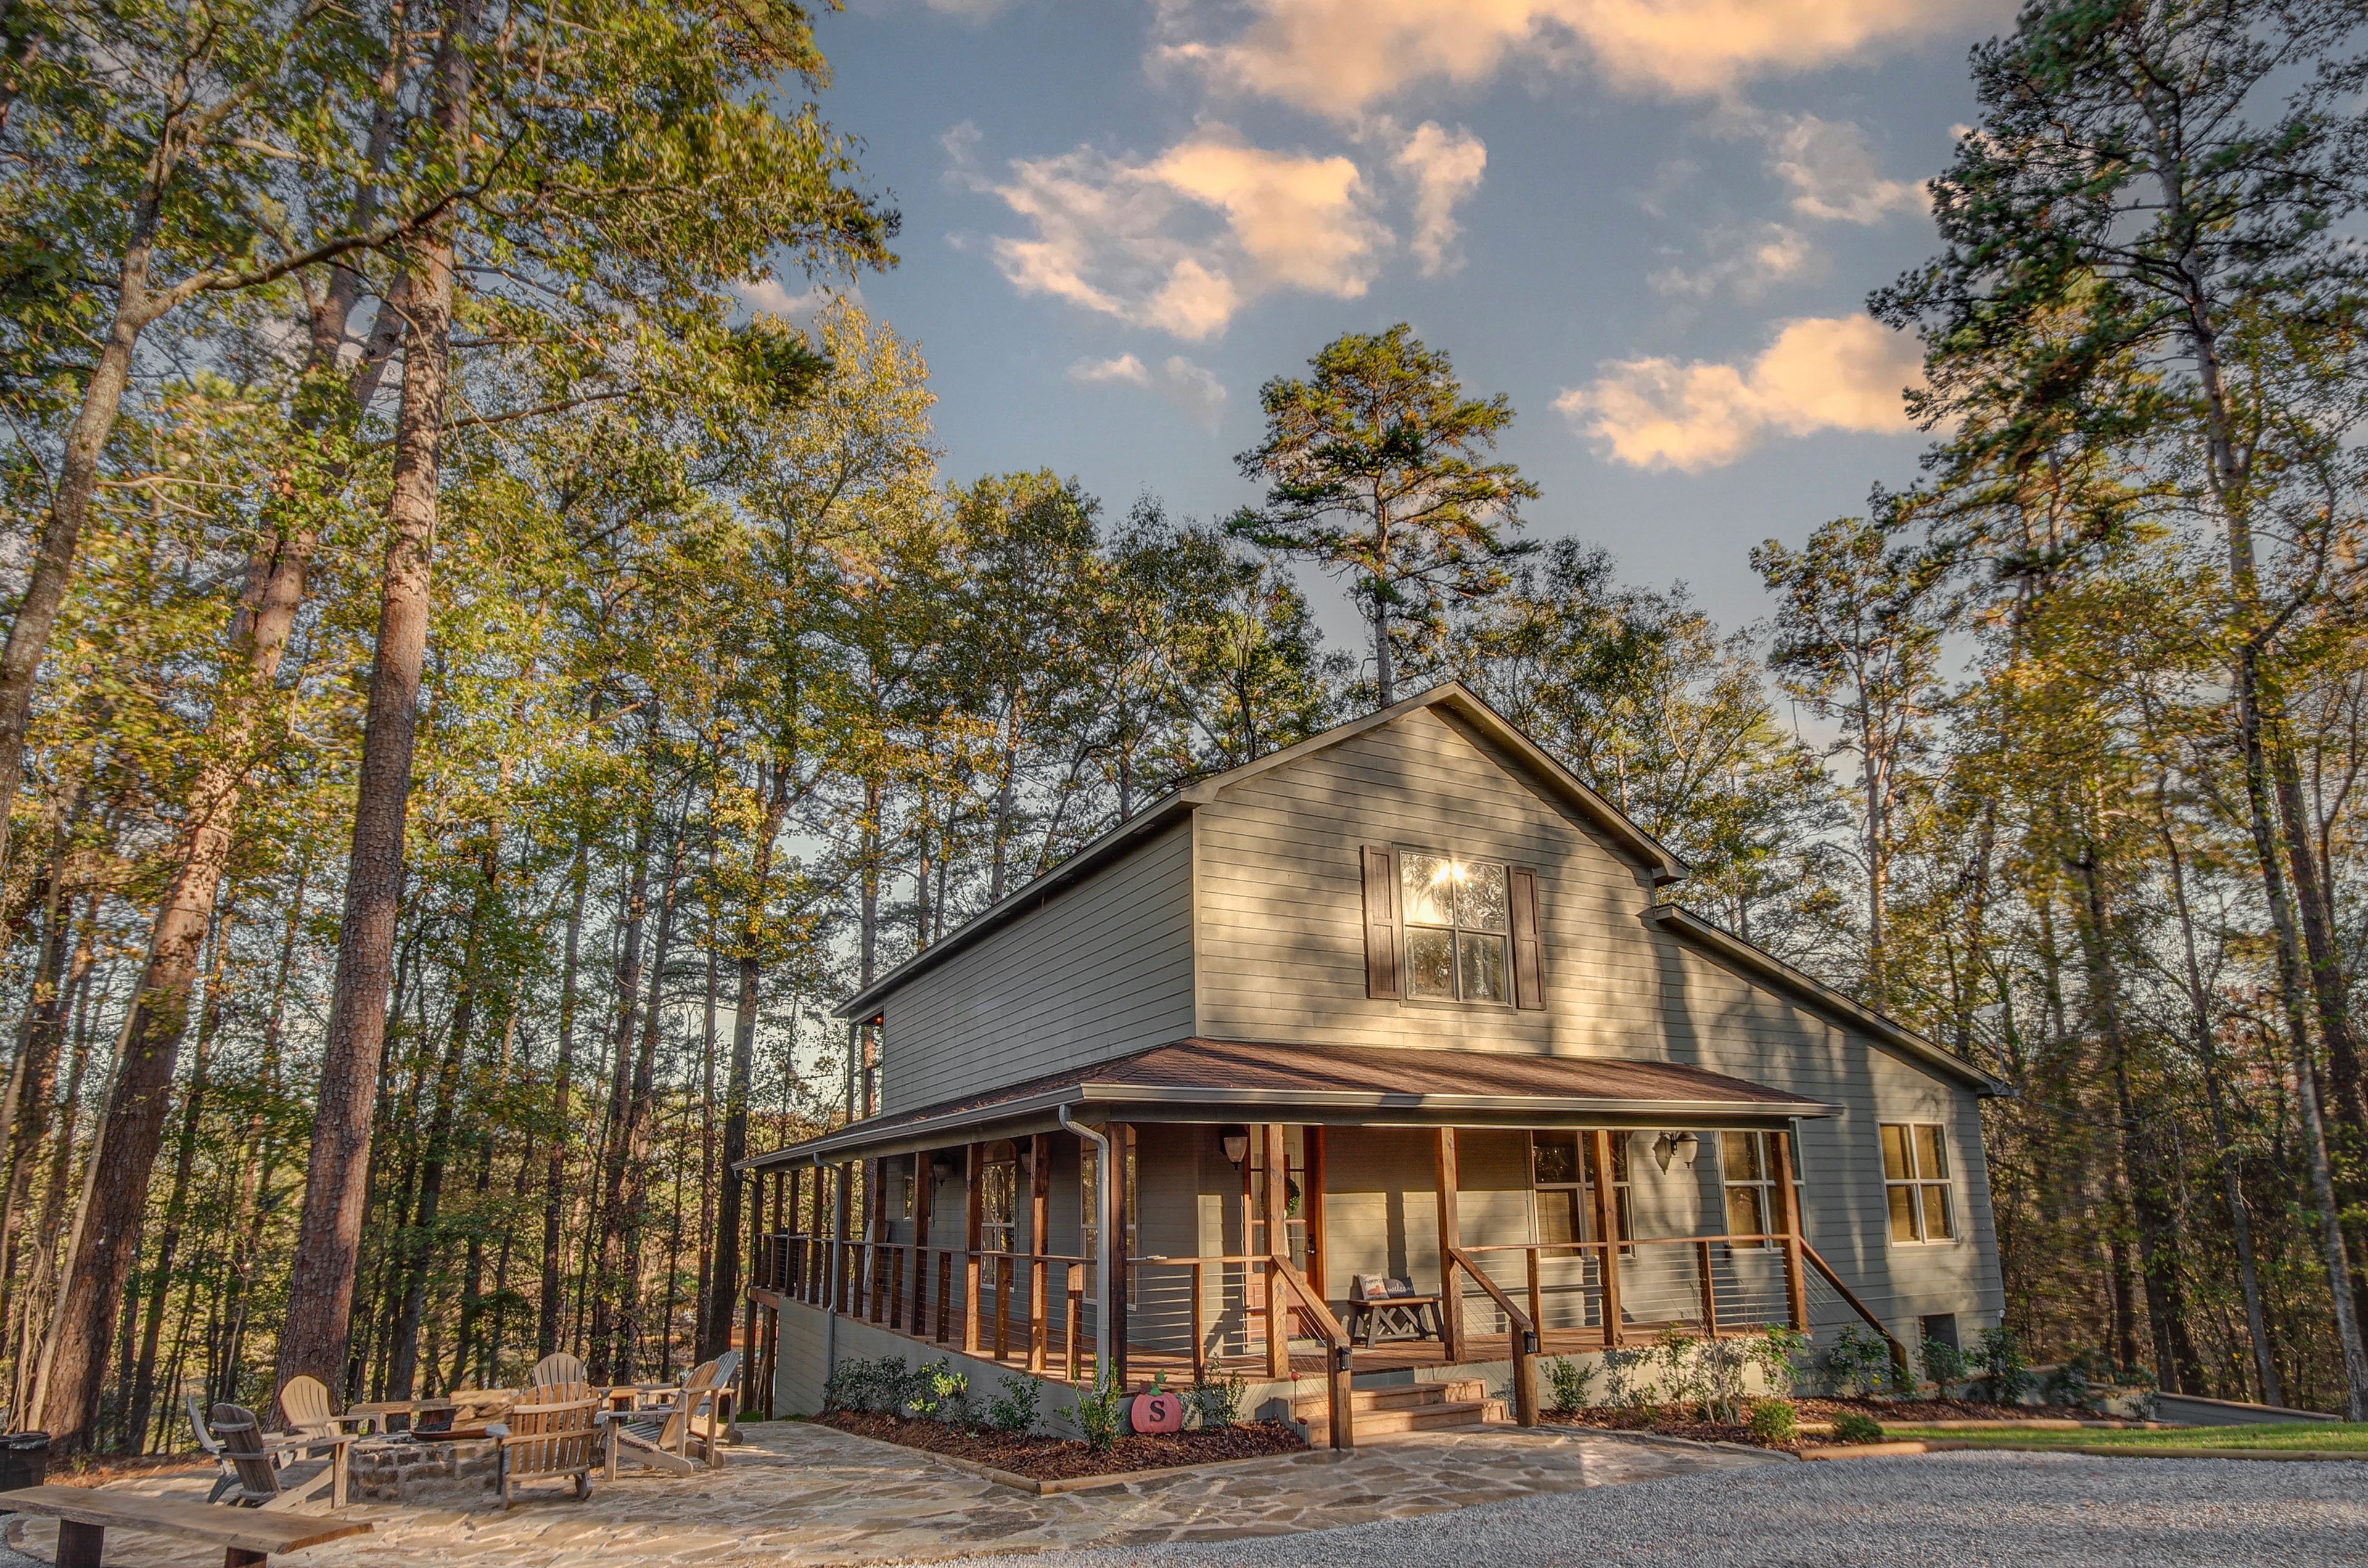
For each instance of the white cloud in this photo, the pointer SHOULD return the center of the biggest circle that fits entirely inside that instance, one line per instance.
(1748, 260)
(1125, 368)
(1180, 242)
(1192, 388)
(1833, 173)
(768, 295)
(1444, 166)
(1339, 56)
(1830, 373)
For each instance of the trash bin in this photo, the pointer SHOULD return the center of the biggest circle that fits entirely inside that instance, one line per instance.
(24, 1460)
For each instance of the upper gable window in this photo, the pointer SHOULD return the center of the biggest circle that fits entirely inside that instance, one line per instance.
(1447, 928)
(1457, 927)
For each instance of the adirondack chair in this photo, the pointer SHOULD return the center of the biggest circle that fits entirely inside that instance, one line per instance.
(212, 1448)
(266, 1485)
(660, 1436)
(552, 1438)
(555, 1368)
(304, 1405)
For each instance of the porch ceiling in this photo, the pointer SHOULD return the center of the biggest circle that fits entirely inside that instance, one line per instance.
(1220, 1080)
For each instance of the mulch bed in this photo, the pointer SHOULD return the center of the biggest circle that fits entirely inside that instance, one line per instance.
(1662, 1422)
(1064, 1459)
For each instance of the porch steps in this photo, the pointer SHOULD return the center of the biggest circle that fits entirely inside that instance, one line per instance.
(1404, 1407)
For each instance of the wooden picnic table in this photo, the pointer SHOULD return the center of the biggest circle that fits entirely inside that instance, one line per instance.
(246, 1535)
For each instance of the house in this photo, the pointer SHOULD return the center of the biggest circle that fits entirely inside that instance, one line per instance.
(1423, 972)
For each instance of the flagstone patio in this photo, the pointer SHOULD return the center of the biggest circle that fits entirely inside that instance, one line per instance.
(800, 1493)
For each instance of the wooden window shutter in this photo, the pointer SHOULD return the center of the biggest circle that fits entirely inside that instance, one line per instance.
(1529, 958)
(1380, 922)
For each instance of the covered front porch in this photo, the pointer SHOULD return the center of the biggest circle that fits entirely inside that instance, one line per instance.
(1548, 1206)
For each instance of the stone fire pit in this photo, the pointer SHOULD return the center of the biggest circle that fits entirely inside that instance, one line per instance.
(385, 1471)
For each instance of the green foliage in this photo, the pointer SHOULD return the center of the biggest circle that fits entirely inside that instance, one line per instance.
(1777, 1351)
(937, 1389)
(1216, 1401)
(2005, 1373)
(1774, 1420)
(880, 1386)
(1621, 1387)
(1013, 1408)
(1570, 1378)
(1944, 1364)
(1095, 1415)
(1853, 1427)
(1858, 1362)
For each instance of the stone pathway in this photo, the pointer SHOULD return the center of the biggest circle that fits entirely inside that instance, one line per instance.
(800, 1493)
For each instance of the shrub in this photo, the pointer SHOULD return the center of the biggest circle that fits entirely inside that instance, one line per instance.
(937, 1390)
(880, 1387)
(2006, 1376)
(1619, 1387)
(1944, 1364)
(2079, 1379)
(1853, 1427)
(1216, 1402)
(1773, 1421)
(1720, 1364)
(1095, 1414)
(1683, 1381)
(1775, 1351)
(1013, 1409)
(1570, 1381)
(1857, 1363)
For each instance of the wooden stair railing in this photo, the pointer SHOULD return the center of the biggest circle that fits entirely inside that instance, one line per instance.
(1338, 1353)
(1898, 1351)
(1520, 1330)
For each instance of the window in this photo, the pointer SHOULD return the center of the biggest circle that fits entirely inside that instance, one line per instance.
(1458, 928)
(1746, 1164)
(999, 1197)
(1559, 1174)
(1915, 1182)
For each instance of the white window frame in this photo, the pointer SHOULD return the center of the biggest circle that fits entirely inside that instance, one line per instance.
(1406, 928)
(1918, 1183)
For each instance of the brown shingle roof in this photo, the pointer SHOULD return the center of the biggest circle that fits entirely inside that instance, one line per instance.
(1227, 1076)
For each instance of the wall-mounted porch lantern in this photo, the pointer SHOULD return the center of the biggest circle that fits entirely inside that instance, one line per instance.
(941, 1170)
(1682, 1146)
(1236, 1142)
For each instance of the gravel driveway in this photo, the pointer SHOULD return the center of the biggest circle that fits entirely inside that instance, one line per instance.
(2012, 1510)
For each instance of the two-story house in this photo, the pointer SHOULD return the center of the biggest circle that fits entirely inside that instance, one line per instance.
(1418, 970)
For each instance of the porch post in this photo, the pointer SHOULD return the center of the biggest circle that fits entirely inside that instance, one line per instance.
(843, 1288)
(1607, 1230)
(1121, 1215)
(974, 1220)
(1278, 1245)
(924, 1188)
(1040, 1219)
(1450, 1235)
(1788, 1220)
(818, 1251)
(875, 1191)
(1312, 1202)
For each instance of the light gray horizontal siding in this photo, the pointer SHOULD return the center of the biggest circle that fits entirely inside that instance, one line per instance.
(1105, 966)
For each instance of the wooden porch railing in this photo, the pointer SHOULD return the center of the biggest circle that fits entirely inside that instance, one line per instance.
(1338, 1403)
(1898, 1351)
(958, 1296)
(1523, 1330)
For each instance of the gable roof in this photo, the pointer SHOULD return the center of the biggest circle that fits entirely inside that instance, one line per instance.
(1549, 775)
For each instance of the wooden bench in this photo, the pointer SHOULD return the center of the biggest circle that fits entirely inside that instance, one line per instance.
(246, 1535)
(1395, 1317)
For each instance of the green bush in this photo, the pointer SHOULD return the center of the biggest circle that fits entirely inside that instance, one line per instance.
(1013, 1409)
(1776, 1350)
(1570, 1379)
(1096, 1417)
(881, 1387)
(1944, 1364)
(1773, 1421)
(1857, 1363)
(1853, 1427)
(2005, 1374)
(937, 1389)
(1618, 1389)
(1216, 1402)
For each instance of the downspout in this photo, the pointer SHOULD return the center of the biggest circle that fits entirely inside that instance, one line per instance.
(1103, 1359)
(830, 1298)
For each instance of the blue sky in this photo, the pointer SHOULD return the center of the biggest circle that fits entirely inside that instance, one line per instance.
(1652, 224)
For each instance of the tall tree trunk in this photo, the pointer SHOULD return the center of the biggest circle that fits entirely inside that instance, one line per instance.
(185, 1159)
(608, 1199)
(634, 1136)
(329, 1241)
(554, 1192)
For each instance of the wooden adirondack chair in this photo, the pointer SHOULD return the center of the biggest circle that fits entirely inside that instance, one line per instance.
(553, 1438)
(555, 1368)
(660, 1437)
(266, 1485)
(211, 1447)
(305, 1406)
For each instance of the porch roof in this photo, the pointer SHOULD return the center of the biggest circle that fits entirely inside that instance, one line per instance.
(1229, 1080)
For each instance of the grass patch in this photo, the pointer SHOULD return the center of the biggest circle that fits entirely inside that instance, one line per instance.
(2325, 1436)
